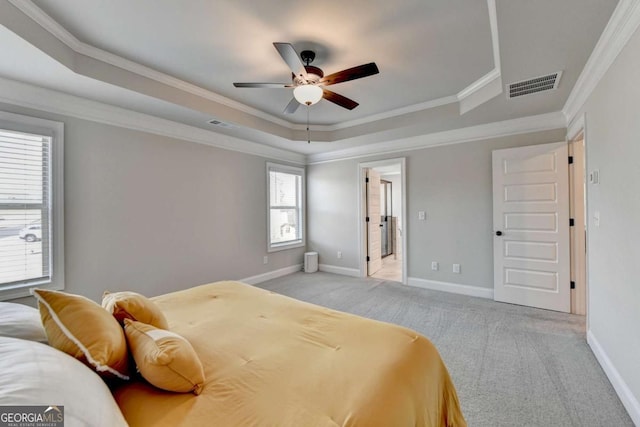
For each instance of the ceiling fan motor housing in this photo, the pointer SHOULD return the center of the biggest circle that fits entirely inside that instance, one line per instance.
(314, 74)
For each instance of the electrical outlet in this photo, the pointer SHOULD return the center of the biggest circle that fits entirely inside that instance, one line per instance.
(422, 215)
(434, 265)
(265, 260)
(456, 268)
(339, 254)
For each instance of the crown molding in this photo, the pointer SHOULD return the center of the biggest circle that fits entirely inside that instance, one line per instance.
(31, 10)
(486, 87)
(489, 85)
(495, 40)
(37, 98)
(386, 115)
(521, 125)
(29, 96)
(478, 84)
(623, 23)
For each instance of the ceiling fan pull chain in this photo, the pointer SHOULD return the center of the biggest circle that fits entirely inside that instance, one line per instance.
(308, 131)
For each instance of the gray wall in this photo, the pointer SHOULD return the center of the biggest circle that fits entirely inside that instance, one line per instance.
(451, 183)
(613, 146)
(154, 214)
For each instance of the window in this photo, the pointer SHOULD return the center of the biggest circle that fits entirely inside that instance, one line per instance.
(285, 185)
(31, 223)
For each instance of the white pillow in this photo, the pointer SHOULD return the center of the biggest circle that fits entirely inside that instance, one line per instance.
(21, 321)
(36, 374)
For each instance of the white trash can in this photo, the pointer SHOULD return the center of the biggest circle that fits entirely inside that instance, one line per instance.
(310, 262)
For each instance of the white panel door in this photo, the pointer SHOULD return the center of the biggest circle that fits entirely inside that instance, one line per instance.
(531, 226)
(374, 237)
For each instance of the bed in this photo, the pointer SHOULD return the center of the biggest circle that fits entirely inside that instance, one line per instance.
(270, 360)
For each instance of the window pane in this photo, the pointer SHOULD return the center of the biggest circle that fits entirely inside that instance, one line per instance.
(284, 225)
(25, 244)
(23, 167)
(283, 189)
(21, 240)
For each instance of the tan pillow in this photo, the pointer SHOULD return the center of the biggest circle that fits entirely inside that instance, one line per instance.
(131, 305)
(164, 358)
(81, 328)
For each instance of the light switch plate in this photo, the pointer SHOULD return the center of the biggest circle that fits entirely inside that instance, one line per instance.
(422, 215)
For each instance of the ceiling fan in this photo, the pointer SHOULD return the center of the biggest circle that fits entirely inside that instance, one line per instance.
(308, 81)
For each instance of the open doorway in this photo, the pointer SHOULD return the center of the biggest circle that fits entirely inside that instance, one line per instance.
(382, 216)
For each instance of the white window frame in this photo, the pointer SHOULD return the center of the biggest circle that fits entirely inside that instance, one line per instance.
(276, 167)
(55, 130)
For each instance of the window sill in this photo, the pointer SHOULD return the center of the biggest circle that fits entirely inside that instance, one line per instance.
(285, 246)
(26, 290)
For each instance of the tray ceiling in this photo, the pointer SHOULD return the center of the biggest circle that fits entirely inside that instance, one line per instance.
(178, 60)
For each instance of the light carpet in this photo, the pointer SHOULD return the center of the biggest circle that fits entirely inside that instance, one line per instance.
(512, 365)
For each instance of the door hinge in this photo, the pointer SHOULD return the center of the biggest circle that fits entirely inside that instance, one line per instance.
(368, 259)
(571, 222)
(367, 219)
(366, 179)
(573, 284)
(570, 160)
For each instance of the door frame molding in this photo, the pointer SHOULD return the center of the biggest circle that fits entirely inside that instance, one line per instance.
(362, 204)
(577, 128)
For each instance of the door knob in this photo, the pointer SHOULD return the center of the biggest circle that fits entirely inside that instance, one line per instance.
(498, 233)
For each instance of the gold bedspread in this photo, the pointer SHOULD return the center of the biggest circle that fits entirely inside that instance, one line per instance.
(270, 360)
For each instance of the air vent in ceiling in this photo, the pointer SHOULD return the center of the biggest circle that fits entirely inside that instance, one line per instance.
(219, 123)
(537, 84)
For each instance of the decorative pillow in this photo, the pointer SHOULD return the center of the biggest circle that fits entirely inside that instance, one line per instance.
(164, 358)
(36, 374)
(21, 321)
(81, 328)
(131, 305)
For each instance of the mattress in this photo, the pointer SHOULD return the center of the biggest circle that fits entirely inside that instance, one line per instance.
(270, 360)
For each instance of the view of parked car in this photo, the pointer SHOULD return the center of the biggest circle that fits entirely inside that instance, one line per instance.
(31, 233)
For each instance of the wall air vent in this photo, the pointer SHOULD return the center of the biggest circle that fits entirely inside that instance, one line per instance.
(537, 84)
(220, 124)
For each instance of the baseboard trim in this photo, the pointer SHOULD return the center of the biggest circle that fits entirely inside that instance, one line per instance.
(629, 401)
(272, 274)
(353, 272)
(455, 288)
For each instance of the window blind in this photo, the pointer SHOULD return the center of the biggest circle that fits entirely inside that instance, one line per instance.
(25, 208)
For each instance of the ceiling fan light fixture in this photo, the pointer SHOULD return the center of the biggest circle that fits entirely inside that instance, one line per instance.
(307, 94)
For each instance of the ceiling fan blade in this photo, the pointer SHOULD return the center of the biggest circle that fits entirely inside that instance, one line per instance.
(263, 85)
(291, 107)
(291, 57)
(358, 72)
(338, 99)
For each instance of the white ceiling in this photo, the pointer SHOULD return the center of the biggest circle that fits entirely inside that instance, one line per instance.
(427, 53)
